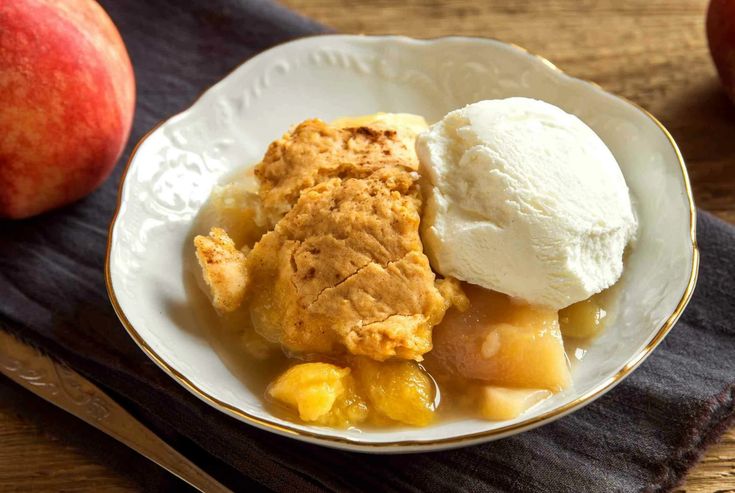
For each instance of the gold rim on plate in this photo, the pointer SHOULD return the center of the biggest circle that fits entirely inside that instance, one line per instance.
(415, 445)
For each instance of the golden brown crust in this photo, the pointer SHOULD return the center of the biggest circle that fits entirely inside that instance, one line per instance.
(315, 152)
(223, 269)
(343, 268)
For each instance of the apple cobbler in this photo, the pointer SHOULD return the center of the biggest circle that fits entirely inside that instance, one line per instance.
(323, 261)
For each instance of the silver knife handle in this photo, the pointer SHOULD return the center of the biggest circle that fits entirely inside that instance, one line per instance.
(75, 394)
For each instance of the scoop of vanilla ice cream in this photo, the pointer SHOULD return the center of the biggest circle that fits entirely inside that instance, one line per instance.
(524, 198)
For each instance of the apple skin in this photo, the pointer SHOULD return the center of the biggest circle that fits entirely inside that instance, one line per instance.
(721, 39)
(67, 96)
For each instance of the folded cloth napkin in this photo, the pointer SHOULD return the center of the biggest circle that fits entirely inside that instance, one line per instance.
(642, 435)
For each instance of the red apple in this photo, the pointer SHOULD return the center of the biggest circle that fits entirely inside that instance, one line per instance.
(721, 38)
(67, 94)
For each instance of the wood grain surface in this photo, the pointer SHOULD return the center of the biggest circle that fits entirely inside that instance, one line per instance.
(653, 52)
(44, 449)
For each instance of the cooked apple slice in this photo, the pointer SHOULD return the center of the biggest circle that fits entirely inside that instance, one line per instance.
(501, 342)
(583, 320)
(322, 393)
(398, 390)
(236, 208)
(501, 403)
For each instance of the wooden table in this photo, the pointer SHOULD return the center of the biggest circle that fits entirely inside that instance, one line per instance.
(653, 52)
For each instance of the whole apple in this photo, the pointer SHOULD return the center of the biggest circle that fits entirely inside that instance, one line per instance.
(67, 95)
(721, 38)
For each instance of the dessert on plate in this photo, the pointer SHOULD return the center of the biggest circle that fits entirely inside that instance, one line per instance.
(386, 272)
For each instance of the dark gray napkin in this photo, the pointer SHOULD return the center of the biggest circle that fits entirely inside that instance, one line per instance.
(642, 435)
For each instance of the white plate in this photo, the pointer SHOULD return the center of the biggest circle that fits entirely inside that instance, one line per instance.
(173, 168)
